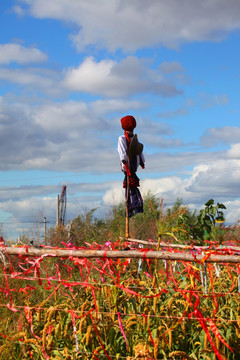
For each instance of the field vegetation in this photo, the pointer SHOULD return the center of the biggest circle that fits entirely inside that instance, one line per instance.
(53, 308)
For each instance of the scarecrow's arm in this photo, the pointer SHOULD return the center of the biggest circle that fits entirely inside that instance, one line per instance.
(122, 148)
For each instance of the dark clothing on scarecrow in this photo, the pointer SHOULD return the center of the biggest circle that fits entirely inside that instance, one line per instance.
(131, 156)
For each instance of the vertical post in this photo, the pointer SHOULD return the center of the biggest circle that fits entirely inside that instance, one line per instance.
(57, 219)
(127, 215)
(45, 230)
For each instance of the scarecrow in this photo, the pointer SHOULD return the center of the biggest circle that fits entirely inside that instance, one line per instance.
(131, 156)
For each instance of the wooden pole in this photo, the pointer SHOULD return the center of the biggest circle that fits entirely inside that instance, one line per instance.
(127, 214)
(57, 217)
(164, 255)
(144, 242)
(181, 246)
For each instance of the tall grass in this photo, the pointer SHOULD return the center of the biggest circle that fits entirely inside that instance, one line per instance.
(160, 312)
(112, 308)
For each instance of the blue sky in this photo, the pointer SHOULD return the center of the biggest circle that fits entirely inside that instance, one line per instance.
(69, 70)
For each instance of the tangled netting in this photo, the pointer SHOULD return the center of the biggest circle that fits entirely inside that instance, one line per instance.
(104, 308)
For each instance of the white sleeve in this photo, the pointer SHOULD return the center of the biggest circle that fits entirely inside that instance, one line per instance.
(122, 150)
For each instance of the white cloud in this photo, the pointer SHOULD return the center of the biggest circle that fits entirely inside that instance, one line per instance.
(221, 177)
(57, 136)
(114, 195)
(131, 25)
(218, 179)
(171, 67)
(168, 188)
(15, 53)
(22, 194)
(73, 136)
(107, 77)
(33, 80)
(206, 101)
(202, 101)
(23, 208)
(234, 151)
(233, 212)
(89, 75)
(221, 135)
(157, 141)
(177, 161)
(26, 215)
(104, 106)
(23, 77)
(113, 79)
(18, 193)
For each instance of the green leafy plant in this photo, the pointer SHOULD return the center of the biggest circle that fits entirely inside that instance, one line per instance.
(209, 217)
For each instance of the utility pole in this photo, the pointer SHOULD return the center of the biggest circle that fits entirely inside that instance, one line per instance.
(44, 222)
(45, 230)
(61, 207)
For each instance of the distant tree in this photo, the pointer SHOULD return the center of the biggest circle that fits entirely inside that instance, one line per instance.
(57, 235)
(158, 222)
(176, 222)
(2, 233)
(144, 226)
(87, 228)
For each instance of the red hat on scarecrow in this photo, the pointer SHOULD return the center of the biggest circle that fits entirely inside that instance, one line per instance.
(128, 123)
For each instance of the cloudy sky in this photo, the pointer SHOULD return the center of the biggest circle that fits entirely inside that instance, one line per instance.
(70, 69)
